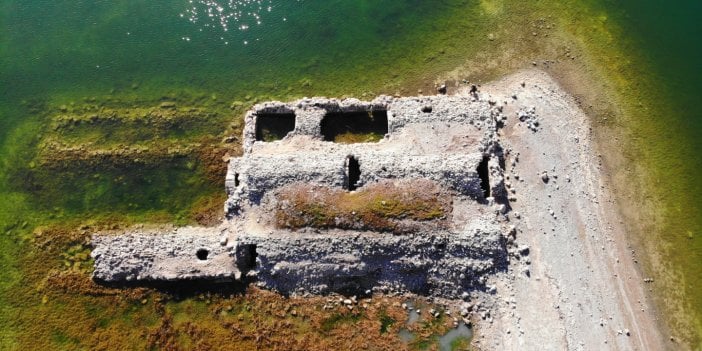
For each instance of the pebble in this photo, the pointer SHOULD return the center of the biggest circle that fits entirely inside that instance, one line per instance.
(523, 250)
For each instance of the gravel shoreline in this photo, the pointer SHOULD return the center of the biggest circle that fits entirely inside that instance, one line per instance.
(542, 263)
(583, 290)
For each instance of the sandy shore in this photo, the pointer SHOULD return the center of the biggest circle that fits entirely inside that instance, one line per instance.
(581, 289)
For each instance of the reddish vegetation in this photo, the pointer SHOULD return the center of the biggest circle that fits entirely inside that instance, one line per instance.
(213, 156)
(77, 313)
(262, 320)
(81, 284)
(385, 206)
(208, 211)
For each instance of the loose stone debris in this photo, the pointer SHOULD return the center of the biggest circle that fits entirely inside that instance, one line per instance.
(449, 141)
(456, 198)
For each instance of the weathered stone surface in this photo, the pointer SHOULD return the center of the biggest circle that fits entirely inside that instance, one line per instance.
(453, 144)
(250, 177)
(185, 253)
(437, 264)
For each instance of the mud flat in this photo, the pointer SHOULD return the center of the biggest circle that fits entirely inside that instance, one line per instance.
(513, 226)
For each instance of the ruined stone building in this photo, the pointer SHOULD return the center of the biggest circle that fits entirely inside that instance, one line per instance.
(392, 195)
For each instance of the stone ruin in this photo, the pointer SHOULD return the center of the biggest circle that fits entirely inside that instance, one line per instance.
(444, 146)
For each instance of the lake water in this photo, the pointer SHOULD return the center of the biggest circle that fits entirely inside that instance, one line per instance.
(81, 57)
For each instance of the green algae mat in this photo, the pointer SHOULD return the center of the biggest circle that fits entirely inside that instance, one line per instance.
(117, 113)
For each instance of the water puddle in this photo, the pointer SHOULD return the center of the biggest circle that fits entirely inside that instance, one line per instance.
(414, 315)
(406, 336)
(454, 339)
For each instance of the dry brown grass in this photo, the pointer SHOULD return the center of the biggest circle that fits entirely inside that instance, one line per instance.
(385, 206)
(207, 211)
(262, 320)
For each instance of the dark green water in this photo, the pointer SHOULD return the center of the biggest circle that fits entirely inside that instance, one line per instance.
(139, 53)
(668, 35)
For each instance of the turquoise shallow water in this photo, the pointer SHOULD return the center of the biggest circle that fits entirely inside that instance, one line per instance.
(211, 53)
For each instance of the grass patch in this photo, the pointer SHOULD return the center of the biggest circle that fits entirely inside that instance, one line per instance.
(271, 135)
(423, 344)
(353, 138)
(337, 319)
(386, 322)
(110, 126)
(460, 343)
(385, 207)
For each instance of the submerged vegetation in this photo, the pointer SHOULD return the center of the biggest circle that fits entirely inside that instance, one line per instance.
(352, 138)
(133, 127)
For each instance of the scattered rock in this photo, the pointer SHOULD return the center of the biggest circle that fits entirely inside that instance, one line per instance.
(229, 139)
(528, 116)
(523, 250)
(544, 177)
(167, 105)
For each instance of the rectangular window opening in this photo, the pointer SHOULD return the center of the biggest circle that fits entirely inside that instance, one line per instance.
(484, 174)
(355, 127)
(353, 173)
(274, 126)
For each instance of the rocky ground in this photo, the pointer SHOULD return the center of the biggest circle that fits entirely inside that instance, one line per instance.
(579, 289)
(553, 271)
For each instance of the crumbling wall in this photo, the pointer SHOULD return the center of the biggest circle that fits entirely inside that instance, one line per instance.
(437, 264)
(140, 255)
(309, 113)
(439, 138)
(250, 177)
(441, 108)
